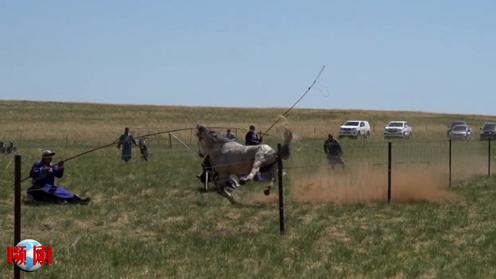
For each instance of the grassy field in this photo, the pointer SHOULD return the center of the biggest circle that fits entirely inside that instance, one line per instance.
(149, 220)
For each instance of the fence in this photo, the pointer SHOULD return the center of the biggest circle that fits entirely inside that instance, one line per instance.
(380, 167)
(407, 165)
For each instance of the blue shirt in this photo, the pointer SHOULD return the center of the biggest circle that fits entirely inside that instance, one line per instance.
(252, 138)
(43, 175)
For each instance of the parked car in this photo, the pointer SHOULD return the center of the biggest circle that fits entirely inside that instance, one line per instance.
(397, 129)
(456, 123)
(460, 132)
(355, 129)
(488, 131)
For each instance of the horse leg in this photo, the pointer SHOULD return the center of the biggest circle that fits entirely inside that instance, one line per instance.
(272, 179)
(255, 168)
(225, 185)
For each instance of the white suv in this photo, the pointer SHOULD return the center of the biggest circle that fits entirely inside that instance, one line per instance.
(397, 129)
(355, 129)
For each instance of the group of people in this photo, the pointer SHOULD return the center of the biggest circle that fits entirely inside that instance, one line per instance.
(43, 172)
(251, 137)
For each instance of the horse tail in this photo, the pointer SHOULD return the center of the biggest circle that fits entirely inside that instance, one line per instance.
(287, 138)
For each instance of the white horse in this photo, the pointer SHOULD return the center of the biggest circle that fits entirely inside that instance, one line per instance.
(232, 160)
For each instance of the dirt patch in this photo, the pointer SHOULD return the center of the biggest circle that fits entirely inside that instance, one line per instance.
(369, 184)
(260, 198)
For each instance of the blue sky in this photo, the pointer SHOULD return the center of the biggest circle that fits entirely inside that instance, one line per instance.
(435, 56)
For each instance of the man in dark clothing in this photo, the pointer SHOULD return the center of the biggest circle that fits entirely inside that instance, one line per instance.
(252, 138)
(126, 140)
(333, 150)
(43, 187)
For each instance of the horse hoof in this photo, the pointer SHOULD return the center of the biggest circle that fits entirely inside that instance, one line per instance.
(243, 180)
(267, 191)
(226, 192)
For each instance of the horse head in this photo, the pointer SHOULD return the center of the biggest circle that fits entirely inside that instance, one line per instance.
(208, 139)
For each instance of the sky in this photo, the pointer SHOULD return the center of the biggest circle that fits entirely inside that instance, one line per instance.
(425, 55)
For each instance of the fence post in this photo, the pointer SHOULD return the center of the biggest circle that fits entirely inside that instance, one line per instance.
(449, 164)
(281, 193)
(170, 141)
(389, 172)
(489, 157)
(17, 209)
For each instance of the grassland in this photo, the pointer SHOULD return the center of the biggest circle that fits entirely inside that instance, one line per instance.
(149, 220)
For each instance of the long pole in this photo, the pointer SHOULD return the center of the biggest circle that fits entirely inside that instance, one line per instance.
(281, 191)
(389, 172)
(449, 163)
(17, 209)
(297, 101)
(181, 142)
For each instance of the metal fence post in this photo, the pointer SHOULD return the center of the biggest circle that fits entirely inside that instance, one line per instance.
(281, 193)
(170, 141)
(17, 209)
(489, 157)
(389, 172)
(449, 164)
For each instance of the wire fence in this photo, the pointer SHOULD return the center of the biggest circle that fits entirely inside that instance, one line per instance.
(366, 162)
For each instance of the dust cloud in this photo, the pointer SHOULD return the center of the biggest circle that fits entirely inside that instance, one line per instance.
(367, 184)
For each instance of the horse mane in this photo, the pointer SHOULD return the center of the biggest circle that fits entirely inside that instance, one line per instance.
(211, 135)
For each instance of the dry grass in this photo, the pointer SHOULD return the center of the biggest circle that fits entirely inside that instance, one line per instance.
(148, 220)
(100, 123)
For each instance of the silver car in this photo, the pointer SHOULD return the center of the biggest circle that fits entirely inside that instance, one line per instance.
(397, 129)
(460, 132)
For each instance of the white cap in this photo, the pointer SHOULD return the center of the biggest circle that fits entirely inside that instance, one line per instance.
(47, 154)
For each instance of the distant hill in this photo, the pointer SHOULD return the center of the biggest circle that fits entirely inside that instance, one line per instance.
(99, 122)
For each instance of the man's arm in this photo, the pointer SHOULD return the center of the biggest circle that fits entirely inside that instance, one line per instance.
(58, 170)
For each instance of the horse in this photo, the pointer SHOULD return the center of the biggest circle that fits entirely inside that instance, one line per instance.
(232, 161)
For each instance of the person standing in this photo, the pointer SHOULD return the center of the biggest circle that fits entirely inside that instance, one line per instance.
(251, 137)
(333, 151)
(126, 140)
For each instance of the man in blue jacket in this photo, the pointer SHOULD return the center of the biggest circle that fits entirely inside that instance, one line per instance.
(252, 138)
(43, 187)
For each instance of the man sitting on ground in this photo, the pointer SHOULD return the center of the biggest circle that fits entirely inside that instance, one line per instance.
(43, 175)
